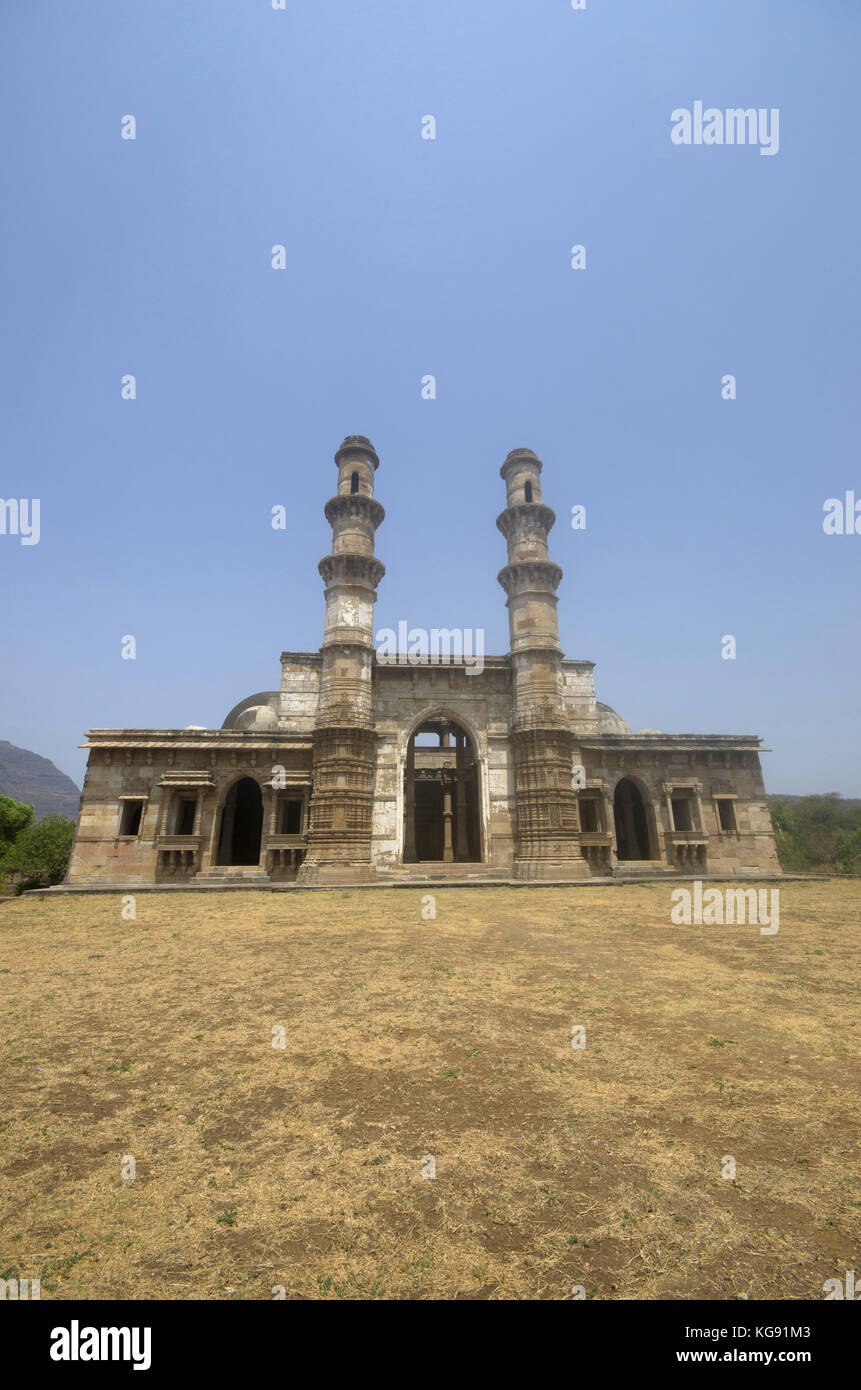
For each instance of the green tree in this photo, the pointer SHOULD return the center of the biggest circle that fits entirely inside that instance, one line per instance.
(14, 816)
(41, 851)
(781, 815)
(845, 848)
(816, 832)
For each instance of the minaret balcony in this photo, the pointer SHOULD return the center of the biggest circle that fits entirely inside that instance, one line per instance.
(350, 568)
(355, 507)
(530, 576)
(524, 517)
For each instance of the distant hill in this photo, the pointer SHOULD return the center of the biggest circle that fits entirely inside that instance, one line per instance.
(26, 776)
(847, 802)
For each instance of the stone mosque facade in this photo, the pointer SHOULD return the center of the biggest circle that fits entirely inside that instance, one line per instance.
(362, 768)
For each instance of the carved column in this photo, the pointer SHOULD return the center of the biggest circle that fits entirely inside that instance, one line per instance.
(410, 805)
(462, 838)
(447, 845)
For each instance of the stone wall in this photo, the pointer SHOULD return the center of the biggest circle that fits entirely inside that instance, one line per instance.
(157, 767)
(406, 696)
(699, 768)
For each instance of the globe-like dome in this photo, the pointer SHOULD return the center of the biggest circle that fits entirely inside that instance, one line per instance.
(255, 712)
(257, 718)
(609, 722)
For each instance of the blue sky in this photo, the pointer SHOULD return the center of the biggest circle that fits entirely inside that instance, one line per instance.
(449, 257)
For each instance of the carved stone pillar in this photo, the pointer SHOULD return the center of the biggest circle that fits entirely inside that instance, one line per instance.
(462, 839)
(410, 805)
(447, 845)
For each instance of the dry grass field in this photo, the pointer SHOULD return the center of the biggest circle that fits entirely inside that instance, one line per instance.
(302, 1166)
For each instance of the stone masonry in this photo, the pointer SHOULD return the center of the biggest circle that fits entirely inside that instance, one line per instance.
(365, 768)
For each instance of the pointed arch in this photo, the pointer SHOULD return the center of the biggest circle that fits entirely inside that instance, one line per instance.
(442, 790)
(634, 820)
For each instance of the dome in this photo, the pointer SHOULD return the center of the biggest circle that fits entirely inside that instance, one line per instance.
(257, 718)
(255, 712)
(196, 728)
(609, 722)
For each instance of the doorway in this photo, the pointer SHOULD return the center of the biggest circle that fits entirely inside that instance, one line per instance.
(631, 822)
(441, 817)
(241, 824)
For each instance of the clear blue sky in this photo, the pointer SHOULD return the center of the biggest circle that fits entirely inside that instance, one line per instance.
(405, 257)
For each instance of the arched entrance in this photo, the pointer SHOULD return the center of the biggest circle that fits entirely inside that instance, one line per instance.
(441, 811)
(631, 821)
(241, 824)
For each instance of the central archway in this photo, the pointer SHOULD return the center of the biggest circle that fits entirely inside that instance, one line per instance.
(631, 821)
(241, 824)
(441, 798)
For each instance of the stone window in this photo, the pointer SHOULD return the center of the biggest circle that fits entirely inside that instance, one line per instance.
(590, 814)
(131, 814)
(186, 809)
(354, 483)
(726, 814)
(528, 492)
(289, 816)
(683, 811)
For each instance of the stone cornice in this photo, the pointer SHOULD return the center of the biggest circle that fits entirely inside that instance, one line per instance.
(183, 738)
(539, 576)
(517, 517)
(348, 567)
(690, 742)
(517, 458)
(356, 506)
(357, 444)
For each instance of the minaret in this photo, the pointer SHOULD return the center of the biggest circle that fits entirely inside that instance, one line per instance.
(548, 821)
(342, 799)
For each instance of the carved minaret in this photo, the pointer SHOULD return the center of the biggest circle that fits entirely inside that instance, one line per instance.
(342, 799)
(545, 754)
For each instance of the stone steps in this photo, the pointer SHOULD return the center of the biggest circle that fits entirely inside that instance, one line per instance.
(433, 870)
(640, 868)
(250, 874)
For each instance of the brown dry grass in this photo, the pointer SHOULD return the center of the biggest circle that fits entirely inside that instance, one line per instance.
(259, 1167)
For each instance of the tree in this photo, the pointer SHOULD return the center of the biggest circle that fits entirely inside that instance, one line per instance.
(846, 847)
(813, 832)
(41, 851)
(14, 816)
(781, 816)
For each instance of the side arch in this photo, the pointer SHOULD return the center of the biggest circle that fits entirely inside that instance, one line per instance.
(635, 823)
